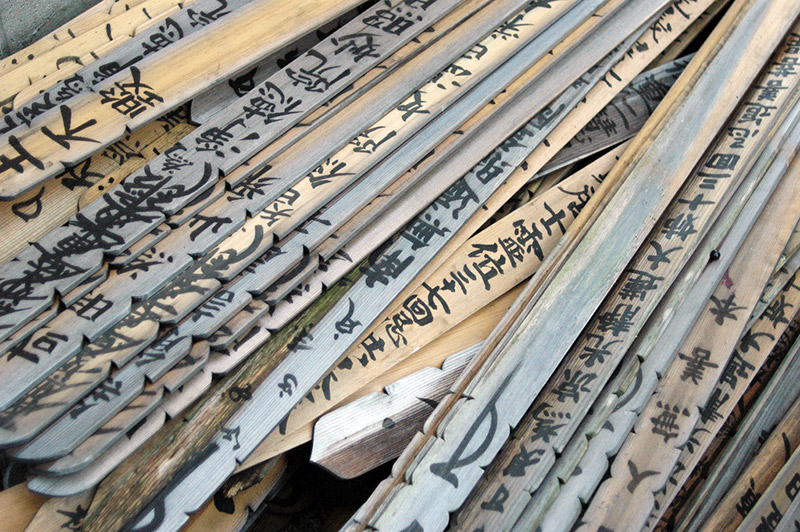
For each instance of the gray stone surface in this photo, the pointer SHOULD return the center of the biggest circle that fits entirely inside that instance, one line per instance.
(24, 21)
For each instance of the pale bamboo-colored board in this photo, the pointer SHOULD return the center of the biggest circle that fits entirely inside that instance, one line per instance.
(206, 104)
(431, 311)
(136, 250)
(64, 71)
(202, 59)
(758, 473)
(359, 86)
(87, 286)
(33, 215)
(406, 488)
(152, 150)
(328, 325)
(766, 413)
(81, 45)
(19, 507)
(748, 357)
(450, 158)
(102, 407)
(111, 432)
(375, 222)
(563, 490)
(160, 36)
(341, 385)
(685, 39)
(572, 124)
(117, 30)
(580, 486)
(91, 17)
(472, 330)
(385, 422)
(59, 514)
(259, 364)
(683, 502)
(592, 359)
(244, 243)
(431, 100)
(777, 498)
(436, 181)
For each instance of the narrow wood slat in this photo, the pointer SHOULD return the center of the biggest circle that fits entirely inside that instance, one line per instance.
(81, 45)
(33, 215)
(486, 266)
(385, 422)
(686, 388)
(159, 37)
(759, 472)
(209, 102)
(777, 498)
(749, 355)
(553, 146)
(91, 16)
(467, 333)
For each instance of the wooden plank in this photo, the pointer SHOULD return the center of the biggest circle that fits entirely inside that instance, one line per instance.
(20, 505)
(759, 472)
(35, 214)
(523, 177)
(80, 46)
(486, 266)
(686, 387)
(777, 498)
(180, 25)
(467, 333)
(89, 18)
(676, 313)
(385, 422)
(739, 372)
(59, 514)
(209, 102)
(769, 409)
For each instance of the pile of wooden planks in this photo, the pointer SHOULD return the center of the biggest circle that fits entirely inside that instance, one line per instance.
(543, 254)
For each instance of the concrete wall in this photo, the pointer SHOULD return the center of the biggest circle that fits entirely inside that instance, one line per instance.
(24, 21)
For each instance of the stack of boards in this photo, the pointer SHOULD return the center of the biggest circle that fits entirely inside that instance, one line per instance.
(541, 253)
